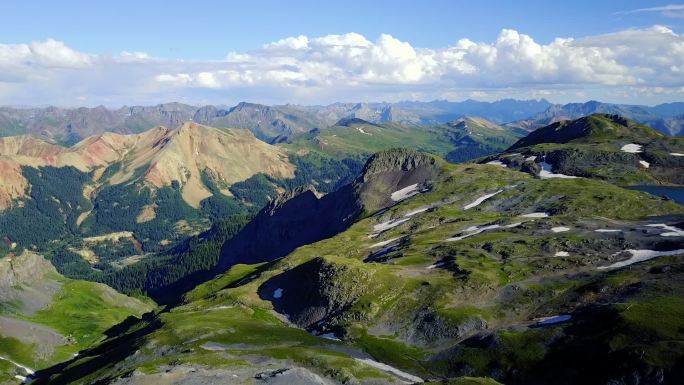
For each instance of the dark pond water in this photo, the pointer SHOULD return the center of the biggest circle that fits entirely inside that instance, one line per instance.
(674, 193)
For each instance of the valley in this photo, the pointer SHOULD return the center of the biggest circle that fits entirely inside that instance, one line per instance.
(480, 254)
(437, 286)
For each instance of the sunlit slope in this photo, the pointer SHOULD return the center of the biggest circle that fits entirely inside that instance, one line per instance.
(489, 272)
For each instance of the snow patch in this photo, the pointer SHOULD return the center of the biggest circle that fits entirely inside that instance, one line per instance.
(644, 163)
(481, 199)
(384, 226)
(405, 193)
(535, 215)
(472, 230)
(435, 265)
(220, 307)
(512, 225)
(561, 254)
(560, 229)
(607, 230)
(631, 148)
(363, 132)
(497, 163)
(546, 173)
(277, 293)
(671, 230)
(640, 256)
(416, 211)
(676, 154)
(383, 243)
(407, 377)
(531, 158)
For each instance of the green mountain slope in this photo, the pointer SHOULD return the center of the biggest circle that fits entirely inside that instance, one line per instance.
(485, 272)
(458, 141)
(606, 147)
(46, 318)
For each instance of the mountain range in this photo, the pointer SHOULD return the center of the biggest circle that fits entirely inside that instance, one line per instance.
(667, 118)
(114, 199)
(426, 271)
(371, 249)
(274, 123)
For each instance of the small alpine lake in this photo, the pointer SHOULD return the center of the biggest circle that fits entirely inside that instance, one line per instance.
(676, 193)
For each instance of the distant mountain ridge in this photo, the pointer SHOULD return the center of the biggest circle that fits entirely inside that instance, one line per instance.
(156, 157)
(600, 146)
(667, 118)
(275, 123)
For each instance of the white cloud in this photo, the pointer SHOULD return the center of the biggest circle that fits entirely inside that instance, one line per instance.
(351, 67)
(653, 56)
(672, 10)
(53, 53)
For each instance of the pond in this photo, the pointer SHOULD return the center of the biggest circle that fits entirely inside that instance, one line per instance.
(673, 192)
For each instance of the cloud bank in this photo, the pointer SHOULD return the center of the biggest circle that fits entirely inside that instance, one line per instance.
(633, 65)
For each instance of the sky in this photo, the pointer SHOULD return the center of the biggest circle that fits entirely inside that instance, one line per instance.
(85, 53)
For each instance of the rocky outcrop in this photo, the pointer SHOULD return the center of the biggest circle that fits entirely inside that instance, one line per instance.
(302, 217)
(24, 269)
(317, 289)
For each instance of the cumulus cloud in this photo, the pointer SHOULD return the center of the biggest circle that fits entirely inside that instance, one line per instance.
(352, 67)
(632, 57)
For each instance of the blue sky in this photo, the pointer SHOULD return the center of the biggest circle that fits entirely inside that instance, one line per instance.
(127, 52)
(206, 30)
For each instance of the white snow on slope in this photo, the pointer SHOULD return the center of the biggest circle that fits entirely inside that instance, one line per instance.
(607, 230)
(384, 243)
(560, 229)
(631, 148)
(481, 199)
(416, 211)
(436, 265)
(497, 163)
(676, 154)
(546, 173)
(644, 163)
(671, 230)
(472, 230)
(531, 158)
(362, 131)
(640, 256)
(561, 254)
(384, 226)
(535, 215)
(405, 193)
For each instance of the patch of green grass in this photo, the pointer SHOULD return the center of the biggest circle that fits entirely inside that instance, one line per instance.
(653, 325)
(82, 311)
(17, 350)
(7, 371)
(235, 274)
(393, 352)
